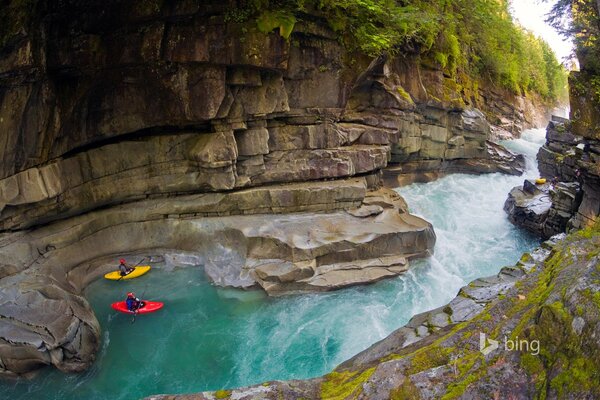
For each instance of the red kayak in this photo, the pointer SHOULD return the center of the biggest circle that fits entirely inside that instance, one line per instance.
(148, 307)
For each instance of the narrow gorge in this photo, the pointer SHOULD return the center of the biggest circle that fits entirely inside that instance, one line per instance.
(298, 196)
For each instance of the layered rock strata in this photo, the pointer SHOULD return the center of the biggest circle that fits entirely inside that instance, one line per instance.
(557, 158)
(97, 110)
(499, 159)
(570, 199)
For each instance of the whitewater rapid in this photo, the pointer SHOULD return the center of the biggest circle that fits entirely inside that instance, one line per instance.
(209, 338)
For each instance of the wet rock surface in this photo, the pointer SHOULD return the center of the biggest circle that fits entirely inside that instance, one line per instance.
(529, 208)
(544, 209)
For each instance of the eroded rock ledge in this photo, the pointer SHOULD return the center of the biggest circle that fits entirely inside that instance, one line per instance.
(350, 236)
(498, 159)
(550, 296)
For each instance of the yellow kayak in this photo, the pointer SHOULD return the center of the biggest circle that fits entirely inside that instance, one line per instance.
(540, 181)
(138, 271)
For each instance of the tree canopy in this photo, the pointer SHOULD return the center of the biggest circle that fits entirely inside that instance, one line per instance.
(580, 20)
(476, 38)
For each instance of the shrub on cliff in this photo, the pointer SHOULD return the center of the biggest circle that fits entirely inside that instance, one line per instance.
(580, 20)
(474, 38)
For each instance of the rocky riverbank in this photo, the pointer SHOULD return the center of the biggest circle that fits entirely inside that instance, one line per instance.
(49, 323)
(569, 199)
(546, 300)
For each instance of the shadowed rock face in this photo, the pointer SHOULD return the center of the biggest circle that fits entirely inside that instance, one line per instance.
(137, 127)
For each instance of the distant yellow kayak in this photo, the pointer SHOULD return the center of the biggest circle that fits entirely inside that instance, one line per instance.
(540, 181)
(138, 271)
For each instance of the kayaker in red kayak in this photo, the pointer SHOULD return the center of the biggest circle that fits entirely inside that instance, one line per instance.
(124, 268)
(133, 303)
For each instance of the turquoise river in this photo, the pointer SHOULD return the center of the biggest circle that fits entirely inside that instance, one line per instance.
(208, 338)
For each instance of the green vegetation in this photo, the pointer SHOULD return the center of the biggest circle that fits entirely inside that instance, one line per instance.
(222, 394)
(270, 20)
(579, 20)
(431, 357)
(406, 391)
(468, 39)
(564, 365)
(345, 384)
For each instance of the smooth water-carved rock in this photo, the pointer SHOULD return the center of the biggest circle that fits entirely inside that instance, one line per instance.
(46, 322)
(337, 251)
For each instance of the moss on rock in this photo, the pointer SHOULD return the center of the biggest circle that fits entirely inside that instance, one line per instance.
(344, 384)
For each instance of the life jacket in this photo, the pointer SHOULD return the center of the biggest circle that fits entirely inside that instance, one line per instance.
(131, 303)
(123, 269)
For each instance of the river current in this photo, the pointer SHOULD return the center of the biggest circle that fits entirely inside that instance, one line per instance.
(209, 338)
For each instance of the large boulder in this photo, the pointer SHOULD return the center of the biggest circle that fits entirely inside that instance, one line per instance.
(44, 324)
(529, 208)
(543, 209)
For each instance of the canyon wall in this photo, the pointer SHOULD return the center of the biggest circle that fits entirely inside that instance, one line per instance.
(135, 128)
(86, 96)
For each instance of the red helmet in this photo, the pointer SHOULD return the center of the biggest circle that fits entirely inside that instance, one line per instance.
(130, 294)
(122, 261)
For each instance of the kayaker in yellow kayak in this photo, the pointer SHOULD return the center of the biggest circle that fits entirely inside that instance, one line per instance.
(124, 269)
